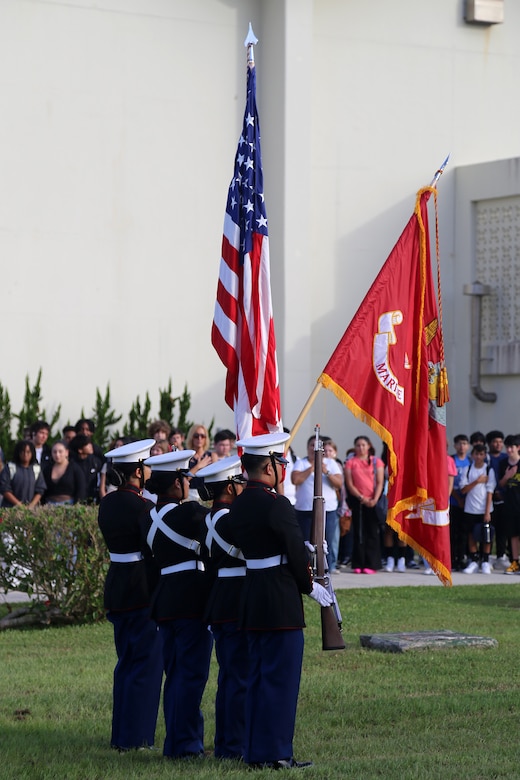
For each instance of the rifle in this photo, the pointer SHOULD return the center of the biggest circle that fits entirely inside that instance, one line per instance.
(331, 620)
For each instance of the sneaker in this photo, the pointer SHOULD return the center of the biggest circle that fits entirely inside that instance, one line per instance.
(390, 563)
(335, 571)
(471, 568)
(401, 565)
(428, 570)
(412, 564)
(356, 571)
(513, 568)
(486, 567)
(502, 563)
(369, 571)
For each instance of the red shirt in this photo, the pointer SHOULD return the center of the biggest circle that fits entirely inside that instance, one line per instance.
(363, 474)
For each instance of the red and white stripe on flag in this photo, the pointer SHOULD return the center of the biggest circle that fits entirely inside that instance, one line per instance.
(243, 328)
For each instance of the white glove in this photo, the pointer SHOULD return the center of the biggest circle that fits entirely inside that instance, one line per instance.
(310, 547)
(321, 595)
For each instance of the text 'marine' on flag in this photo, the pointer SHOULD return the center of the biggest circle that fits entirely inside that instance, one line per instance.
(389, 370)
(243, 328)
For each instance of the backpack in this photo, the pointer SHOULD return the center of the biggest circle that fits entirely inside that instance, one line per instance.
(36, 469)
(488, 469)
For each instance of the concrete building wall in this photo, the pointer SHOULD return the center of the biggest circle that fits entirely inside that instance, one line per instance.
(122, 124)
(121, 120)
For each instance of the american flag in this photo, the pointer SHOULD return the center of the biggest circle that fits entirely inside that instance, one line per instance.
(243, 328)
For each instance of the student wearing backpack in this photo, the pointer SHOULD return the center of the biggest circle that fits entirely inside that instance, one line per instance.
(21, 480)
(509, 483)
(497, 454)
(478, 484)
(458, 537)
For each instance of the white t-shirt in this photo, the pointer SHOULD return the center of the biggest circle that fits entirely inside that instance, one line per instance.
(289, 490)
(305, 491)
(475, 503)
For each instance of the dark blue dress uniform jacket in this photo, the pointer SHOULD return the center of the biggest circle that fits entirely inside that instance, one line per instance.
(128, 585)
(183, 594)
(224, 601)
(262, 524)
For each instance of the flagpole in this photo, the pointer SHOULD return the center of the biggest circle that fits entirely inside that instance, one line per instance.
(302, 415)
(439, 173)
(250, 41)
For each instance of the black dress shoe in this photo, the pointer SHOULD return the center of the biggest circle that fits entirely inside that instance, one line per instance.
(291, 763)
(283, 763)
(191, 756)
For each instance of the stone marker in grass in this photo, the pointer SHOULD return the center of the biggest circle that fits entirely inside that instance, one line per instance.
(403, 641)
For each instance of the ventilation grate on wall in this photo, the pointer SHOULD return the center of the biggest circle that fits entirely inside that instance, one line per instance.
(497, 244)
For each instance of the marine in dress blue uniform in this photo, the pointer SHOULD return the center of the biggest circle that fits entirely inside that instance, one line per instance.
(174, 530)
(129, 582)
(223, 482)
(262, 523)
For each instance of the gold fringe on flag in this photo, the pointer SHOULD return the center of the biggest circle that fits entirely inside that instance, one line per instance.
(443, 393)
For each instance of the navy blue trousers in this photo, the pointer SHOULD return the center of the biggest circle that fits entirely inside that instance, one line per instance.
(230, 704)
(275, 659)
(137, 678)
(187, 645)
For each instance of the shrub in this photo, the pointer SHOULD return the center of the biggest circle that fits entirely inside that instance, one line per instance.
(104, 416)
(57, 555)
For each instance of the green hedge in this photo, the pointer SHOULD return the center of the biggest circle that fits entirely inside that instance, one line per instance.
(56, 555)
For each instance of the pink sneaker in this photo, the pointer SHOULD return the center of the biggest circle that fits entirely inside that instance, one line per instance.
(368, 571)
(357, 571)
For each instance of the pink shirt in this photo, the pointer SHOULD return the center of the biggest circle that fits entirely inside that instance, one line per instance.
(452, 469)
(363, 476)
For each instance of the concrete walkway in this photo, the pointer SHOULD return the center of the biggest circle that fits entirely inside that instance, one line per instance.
(14, 597)
(415, 577)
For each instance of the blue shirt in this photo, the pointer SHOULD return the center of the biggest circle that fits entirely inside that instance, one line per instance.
(462, 467)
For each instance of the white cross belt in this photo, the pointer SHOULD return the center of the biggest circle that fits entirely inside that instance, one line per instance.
(184, 566)
(214, 536)
(158, 524)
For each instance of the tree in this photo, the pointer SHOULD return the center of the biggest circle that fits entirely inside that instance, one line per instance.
(104, 417)
(31, 410)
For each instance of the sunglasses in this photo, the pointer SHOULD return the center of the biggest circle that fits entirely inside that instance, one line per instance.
(199, 435)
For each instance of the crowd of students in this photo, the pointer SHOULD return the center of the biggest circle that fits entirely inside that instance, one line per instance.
(73, 469)
(485, 503)
(484, 483)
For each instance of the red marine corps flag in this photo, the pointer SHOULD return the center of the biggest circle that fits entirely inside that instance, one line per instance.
(389, 370)
(243, 327)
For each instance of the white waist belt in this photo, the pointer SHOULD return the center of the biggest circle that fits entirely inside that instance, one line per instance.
(126, 557)
(185, 566)
(232, 571)
(266, 563)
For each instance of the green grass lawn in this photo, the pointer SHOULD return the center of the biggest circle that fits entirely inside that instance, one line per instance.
(449, 713)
